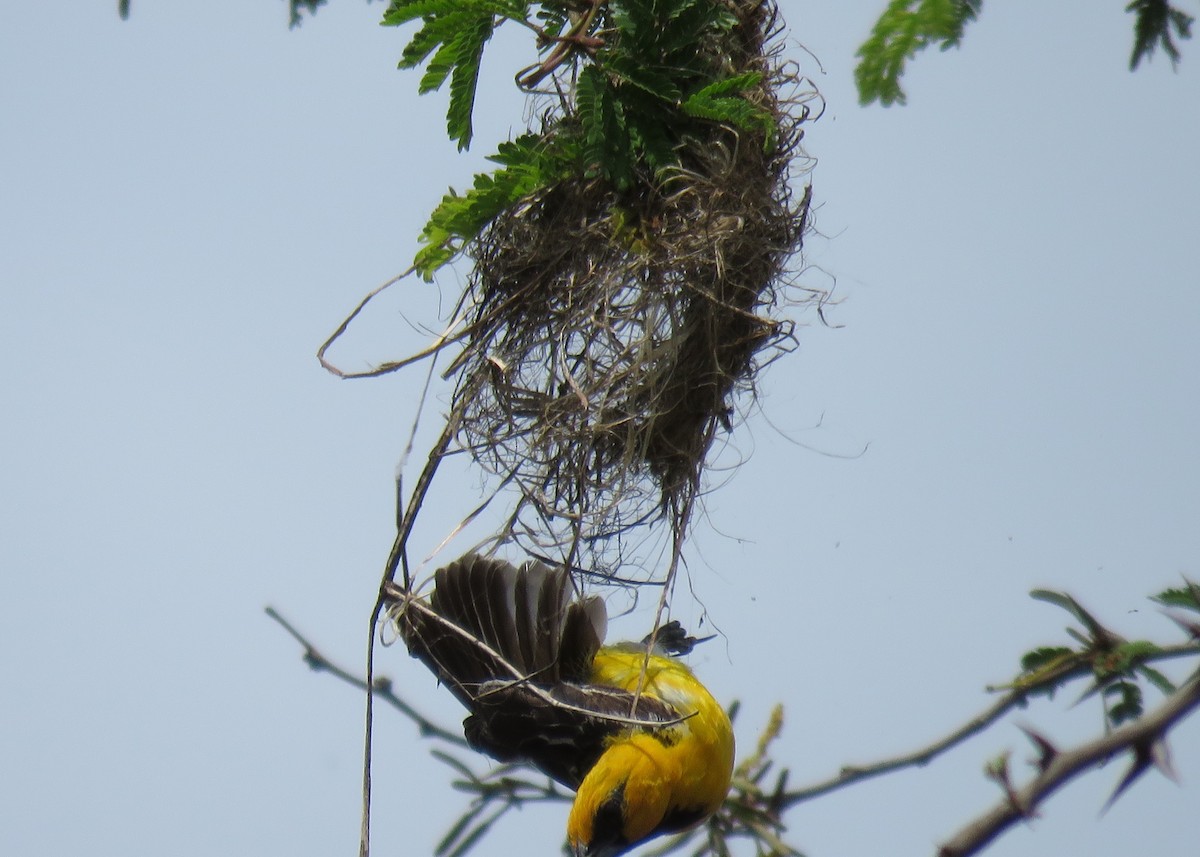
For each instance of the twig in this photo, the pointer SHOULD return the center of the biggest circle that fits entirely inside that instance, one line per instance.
(576, 38)
(855, 773)
(383, 686)
(1139, 736)
(443, 340)
(416, 501)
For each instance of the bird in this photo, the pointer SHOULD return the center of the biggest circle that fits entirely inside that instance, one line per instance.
(644, 745)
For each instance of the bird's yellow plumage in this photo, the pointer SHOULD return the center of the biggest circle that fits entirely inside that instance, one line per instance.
(649, 782)
(644, 744)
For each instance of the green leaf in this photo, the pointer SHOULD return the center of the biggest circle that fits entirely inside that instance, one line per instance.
(468, 841)
(1099, 633)
(454, 763)
(1058, 599)
(439, 68)
(1187, 597)
(451, 38)
(722, 101)
(736, 84)
(1128, 705)
(456, 830)
(423, 43)
(1160, 681)
(1153, 22)
(1039, 658)
(604, 135)
(528, 163)
(906, 28)
(554, 21)
(465, 79)
(651, 142)
(1122, 659)
(656, 82)
(1136, 650)
(401, 12)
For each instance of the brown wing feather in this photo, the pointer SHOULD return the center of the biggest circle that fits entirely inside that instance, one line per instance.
(524, 616)
(545, 642)
(525, 591)
(583, 634)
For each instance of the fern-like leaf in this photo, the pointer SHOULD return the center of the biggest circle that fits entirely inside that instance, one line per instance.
(654, 81)
(465, 79)
(650, 141)
(1187, 597)
(1153, 22)
(451, 39)
(906, 28)
(439, 68)
(528, 164)
(294, 9)
(722, 101)
(606, 143)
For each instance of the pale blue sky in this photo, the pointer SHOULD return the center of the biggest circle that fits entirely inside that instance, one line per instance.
(191, 201)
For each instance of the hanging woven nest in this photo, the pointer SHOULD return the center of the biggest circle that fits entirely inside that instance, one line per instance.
(632, 263)
(613, 328)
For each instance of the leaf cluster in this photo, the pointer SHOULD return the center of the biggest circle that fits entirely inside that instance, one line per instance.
(1154, 21)
(636, 101)
(450, 43)
(1116, 666)
(296, 7)
(525, 165)
(906, 28)
(637, 80)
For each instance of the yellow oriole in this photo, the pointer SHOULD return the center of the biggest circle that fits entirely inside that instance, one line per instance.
(644, 745)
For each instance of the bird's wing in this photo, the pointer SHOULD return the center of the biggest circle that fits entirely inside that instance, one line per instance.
(516, 648)
(561, 729)
(490, 621)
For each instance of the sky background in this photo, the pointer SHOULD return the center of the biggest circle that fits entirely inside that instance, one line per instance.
(1006, 398)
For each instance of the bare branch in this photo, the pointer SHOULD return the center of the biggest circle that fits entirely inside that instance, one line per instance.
(856, 773)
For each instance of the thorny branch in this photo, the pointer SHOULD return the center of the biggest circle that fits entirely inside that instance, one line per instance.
(1145, 737)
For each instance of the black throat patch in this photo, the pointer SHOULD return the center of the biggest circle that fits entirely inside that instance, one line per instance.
(608, 827)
